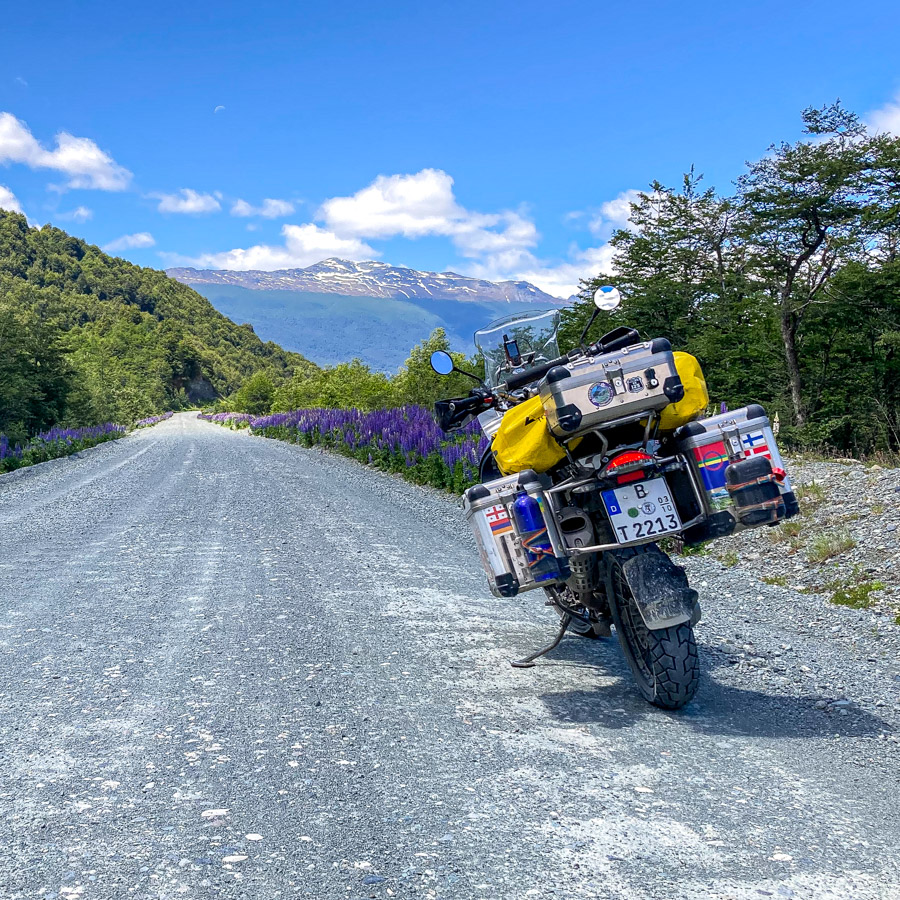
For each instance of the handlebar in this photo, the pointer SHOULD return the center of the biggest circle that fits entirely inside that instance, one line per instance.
(614, 340)
(520, 380)
(449, 414)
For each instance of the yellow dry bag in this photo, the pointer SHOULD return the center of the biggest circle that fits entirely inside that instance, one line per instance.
(696, 397)
(523, 441)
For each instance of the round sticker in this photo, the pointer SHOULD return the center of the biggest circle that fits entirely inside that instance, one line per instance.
(600, 393)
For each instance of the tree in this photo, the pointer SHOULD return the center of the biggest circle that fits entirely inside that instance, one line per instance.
(417, 382)
(807, 209)
(255, 395)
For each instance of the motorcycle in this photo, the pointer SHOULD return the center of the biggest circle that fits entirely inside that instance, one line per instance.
(597, 456)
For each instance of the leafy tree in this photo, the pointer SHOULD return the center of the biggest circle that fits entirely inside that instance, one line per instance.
(807, 209)
(417, 382)
(350, 385)
(255, 395)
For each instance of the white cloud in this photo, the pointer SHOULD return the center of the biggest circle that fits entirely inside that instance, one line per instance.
(8, 200)
(614, 214)
(499, 245)
(424, 204)
(411, 205)
(557, 278)
(80, 158)
(130, 241)
(886, 119)
(187, 201)
(79, 214)
(303, 246)
(270, 208)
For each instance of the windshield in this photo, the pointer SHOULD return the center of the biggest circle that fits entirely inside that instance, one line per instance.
(531, 334)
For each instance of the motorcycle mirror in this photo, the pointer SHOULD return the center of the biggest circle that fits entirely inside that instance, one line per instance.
(442, 362)
(607, 298)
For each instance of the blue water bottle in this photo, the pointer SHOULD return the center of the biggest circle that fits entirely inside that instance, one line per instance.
(535, 538)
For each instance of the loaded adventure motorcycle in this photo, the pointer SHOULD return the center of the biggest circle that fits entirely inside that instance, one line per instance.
(595, 456)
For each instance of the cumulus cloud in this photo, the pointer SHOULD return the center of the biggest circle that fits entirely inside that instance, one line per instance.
(423, 204)
(614, 214)
(85, 164)
(130, 241)
(268, 209)
(187, 201)
(886, 119)
(496, 245)
(303, 246)
(8, 200)
(79, 214)
(559, 278)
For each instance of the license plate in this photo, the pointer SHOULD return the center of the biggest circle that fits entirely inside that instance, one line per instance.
(641, 510)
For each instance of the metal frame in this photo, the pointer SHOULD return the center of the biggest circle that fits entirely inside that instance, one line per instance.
(569, 485)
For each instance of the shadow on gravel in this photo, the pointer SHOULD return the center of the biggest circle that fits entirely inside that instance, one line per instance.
(718, 709)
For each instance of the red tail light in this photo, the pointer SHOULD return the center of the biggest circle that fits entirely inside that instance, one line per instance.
(628, 466)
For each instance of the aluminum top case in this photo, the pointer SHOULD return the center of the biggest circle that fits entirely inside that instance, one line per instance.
(594, 391)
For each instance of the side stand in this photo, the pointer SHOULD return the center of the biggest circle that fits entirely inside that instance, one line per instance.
(528, 661)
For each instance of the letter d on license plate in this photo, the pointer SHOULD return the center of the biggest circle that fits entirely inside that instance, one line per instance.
(641, 511)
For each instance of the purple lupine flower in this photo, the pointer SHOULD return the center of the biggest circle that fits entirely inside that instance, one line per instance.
(407, 433)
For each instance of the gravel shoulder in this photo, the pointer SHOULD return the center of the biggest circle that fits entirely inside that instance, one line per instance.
(233, 667)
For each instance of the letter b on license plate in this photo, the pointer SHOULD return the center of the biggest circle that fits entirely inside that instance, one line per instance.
(641, 511)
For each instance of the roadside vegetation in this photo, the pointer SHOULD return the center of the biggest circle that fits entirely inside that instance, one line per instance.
(405, 441)
(54, 443)
(86, 338)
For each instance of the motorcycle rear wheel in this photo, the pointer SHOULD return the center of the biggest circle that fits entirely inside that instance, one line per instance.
(664, 661)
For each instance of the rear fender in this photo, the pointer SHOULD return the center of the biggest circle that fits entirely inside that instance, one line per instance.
(660, 588)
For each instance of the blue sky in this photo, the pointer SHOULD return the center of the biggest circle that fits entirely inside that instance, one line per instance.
(491, 138)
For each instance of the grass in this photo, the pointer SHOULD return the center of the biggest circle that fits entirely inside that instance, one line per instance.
(790, 528)
(729, 558)
(780, 580)
(811, 494)
(877, 509)
(855, 592)
(830, 544)
(697, 550)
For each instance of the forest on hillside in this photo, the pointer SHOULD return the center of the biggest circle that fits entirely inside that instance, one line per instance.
(87, 338)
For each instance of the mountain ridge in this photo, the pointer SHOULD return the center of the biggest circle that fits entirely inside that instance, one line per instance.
(371, 278)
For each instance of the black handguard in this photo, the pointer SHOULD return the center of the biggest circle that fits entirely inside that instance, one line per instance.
(452, 414)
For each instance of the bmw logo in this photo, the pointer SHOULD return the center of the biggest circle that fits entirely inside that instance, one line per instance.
(600, 393)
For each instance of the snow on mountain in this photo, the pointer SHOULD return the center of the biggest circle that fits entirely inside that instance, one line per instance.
(372, 279)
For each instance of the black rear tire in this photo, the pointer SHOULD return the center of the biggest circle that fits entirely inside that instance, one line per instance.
(664, 661)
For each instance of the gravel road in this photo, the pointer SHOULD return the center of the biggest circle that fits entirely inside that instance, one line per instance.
(232, 667)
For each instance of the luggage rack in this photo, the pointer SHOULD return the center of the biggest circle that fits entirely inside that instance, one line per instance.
(572, 483)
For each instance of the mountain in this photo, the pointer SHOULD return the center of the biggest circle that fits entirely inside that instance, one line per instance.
(372, 279)
(336, 310)
(86, 337)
